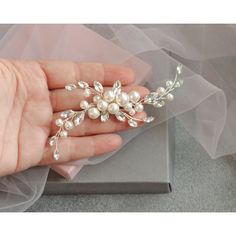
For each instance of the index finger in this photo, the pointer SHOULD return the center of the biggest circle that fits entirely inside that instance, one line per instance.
(61, 73)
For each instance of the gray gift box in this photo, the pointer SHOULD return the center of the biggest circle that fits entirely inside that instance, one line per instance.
(144, 165)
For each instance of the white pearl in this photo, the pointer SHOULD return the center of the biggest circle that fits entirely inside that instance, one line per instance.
(87, 92)
(93, 113)
(169, 97)
(84, 104)
(128, 106)
(63, 134)
(138, 107)
(96, 98)
(59, 122)
(102, 105)
(134, 96)
(122, 99)
(132, 112)
(160, 90)
(109, 96)
(69, 125)
(113, 108)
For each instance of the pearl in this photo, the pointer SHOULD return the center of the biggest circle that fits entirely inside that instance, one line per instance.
(63, 134)
(113, 108)
(161, 90)
(102, 105)
(170, 97)
(128, 106)
(122, 99)
(96, 98)
(134, 96)
(84, 104)
(59, 122)
(93, 113)
(132, 112)
(87, 92)
(109, 96)
(69, 125)
(138, 107)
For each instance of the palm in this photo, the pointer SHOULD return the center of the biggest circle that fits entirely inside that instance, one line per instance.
(29, 118)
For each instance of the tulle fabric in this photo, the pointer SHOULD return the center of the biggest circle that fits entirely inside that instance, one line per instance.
(205, 105)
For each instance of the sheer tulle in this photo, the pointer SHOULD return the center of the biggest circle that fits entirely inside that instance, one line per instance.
(206, 104)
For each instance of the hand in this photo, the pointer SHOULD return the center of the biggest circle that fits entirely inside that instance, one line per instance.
(32, 95)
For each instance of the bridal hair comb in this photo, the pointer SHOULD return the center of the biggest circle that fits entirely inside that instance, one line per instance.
(112, 102)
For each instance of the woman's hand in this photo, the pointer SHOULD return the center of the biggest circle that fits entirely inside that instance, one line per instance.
(32, 95)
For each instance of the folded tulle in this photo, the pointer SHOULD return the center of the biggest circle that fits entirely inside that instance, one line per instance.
(205, 105)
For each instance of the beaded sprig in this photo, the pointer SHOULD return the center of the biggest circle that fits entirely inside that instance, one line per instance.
(113, 102)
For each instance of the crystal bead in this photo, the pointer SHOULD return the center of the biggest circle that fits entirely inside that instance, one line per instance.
(70, 87)
(79, 118)
(148, 119)
(132, 123)
(69, 125)
(105, 117)
(56, 155)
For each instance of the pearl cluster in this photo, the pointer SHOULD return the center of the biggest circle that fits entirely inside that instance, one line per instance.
(112, 102)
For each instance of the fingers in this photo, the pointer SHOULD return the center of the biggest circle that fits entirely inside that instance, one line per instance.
(91, 127)
(72, 148)
(61, 99)
(61, 73)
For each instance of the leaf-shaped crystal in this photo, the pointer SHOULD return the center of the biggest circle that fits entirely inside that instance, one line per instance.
(70, 87)
(117, 87)
(148, 119)
(53, 140)
(120, 116)
(151, 97)
(56, 155)
(132, 123)
(66, 114)
(105, 117)
(179, 69)
(79, 118)
(83, 84)
(98, 86)
(159, 104)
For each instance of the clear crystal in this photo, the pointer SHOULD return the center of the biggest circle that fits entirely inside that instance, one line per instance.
(63, 134)
(59, 122)
(69, 125)
(66, 114)
(53, 140)
(159, 104)
(117, 87)
(177, 84)
(179, 69)
(56, 155)
(148, 119)
(105, 117)
(132, 123)
(87, 92)
(83, 84)
(70, 87)
(169, 83)
(120, 116)
(79, 118)
(98, 86)
(150, 97)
